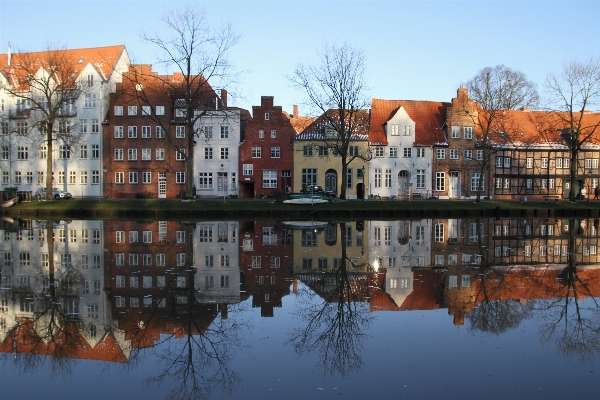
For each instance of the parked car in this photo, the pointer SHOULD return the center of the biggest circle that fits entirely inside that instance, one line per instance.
(56, 194)
(316, 189)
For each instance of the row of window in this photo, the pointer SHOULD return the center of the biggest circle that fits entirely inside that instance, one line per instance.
(256, 152)
(159, 154)
(63, 152)
(466, 259)
(62, 234)
(26, 177)
(133, 177)
(455, 154)
(133, 110)
(556, 251)
(146, 236)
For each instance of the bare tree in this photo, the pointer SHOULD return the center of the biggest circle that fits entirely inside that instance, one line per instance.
(46, 88)
(198, 52)
(497, 89)
(571, 93)
(335, 89)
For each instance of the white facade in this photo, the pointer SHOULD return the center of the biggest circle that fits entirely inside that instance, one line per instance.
(77, 166)
(216, 257)
(216, 153)
(396, 166)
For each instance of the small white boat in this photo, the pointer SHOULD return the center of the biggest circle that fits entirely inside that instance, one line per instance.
(306, 200)
(9, 202)
(306, 224)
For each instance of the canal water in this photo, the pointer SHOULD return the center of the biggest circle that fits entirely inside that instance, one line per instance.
(448, 308)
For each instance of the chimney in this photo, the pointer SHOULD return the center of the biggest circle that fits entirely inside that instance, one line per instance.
(224, 98)
(295, 115)
(9, 55)
(462, 92)
(266, 101)
(177, 76)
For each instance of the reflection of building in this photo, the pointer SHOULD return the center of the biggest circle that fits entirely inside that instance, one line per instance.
(44, 299)
(266, 263)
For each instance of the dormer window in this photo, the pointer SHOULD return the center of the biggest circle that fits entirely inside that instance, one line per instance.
(90, 80)
(330, 132)
(80, 60)
(180, 112)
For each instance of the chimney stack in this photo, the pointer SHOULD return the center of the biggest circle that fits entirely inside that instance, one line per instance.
(295, 115)
(9, 55)
(224, 98)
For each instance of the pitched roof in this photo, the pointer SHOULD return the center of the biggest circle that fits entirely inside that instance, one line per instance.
(103, 59)
(316, 130)
(429, 117)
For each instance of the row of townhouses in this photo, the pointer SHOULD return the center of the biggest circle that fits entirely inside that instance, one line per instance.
(124, 283)
(113, 142)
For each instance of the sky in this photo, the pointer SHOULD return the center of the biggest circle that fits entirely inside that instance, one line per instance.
(415, 50)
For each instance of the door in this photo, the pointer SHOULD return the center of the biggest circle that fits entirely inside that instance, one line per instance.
(162, 185)
(331, 180)
(222, 184)
(454, 184)
(403, 181)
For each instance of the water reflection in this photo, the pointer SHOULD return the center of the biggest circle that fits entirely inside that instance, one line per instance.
(181, 293)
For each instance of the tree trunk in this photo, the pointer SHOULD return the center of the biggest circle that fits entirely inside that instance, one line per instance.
(49, 154)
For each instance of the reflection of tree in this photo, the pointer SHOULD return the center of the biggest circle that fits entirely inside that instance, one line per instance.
(195, 356)
(490, 315)
(335, 322)
(54, 329)
(574, 327)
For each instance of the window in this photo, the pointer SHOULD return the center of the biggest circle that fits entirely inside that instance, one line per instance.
(118, 132)
(256, 152)
(95, 126)
(132, 154)
(270, 179)
(146, 132)
(275, 152)
(394, 152)
(146, 110)
(273, 133)
(72, 177)
(440, 181)
(475, 180)
(247, 169)
(147, 236)
(349, 178)
(379, 151)
(208, 153)
(119, 236)
(160, 132)
(131, 110)
(468, 154)
(146, 154)
(133, 177)
(420, 179)
(407, 130)
(261, 134)
(440, 154)
(95, 151)
(224, 153)
(5, 153)
(132, 132)
(528, 162)
(420, 152)
(456, 132)
(90, 80)
(180, 132)
(309, 176)
(224, 132)
(118, 110)
(180, 154)
(454, 154)
(205, 180)
(83, 151)
(506, 162)
(207, 132)
(439, 232)
(90, 101)
(468, 132)
(83, 177)
(160, 154)
(118, 154)
(22, 153)
(146, 177)
(479, 155)
(267, 116)
(160, 110)
(40, 178)
(377, 176)
(395, 130)
(83, 126)
(95, 177)
(180, 177)
(64, 152)
(388, 178)
(323, 151)
(544, 162)
(407, 152)
(307, 151)
(528, 183)
(256, 261)
(18, 177)
(119, 177)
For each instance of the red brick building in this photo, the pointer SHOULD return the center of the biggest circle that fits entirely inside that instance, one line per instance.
(266, 157)
(140, 156)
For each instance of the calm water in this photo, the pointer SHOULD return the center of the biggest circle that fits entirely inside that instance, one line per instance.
(360, 309)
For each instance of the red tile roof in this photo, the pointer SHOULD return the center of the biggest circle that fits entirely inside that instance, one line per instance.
(316, 129)
(103, 59)
(429, 116)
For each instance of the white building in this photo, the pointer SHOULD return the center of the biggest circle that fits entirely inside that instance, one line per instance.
(216, 153)
(401, 135)
(77, 163)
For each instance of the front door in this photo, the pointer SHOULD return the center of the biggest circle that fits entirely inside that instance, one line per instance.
(403, 181)
(222, 184)
(331, 181)
(454, 187)
(162, 185)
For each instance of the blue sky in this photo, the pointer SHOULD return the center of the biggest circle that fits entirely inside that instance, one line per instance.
(419, 50)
